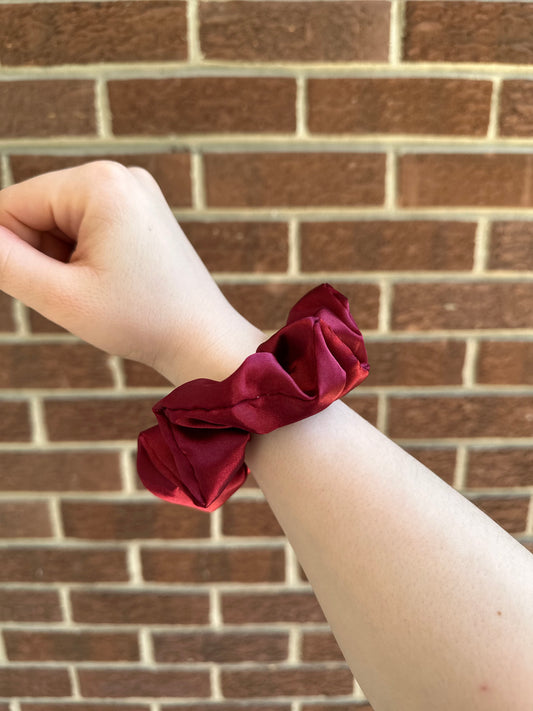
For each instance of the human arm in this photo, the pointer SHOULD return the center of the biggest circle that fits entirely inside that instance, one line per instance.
(410, 575)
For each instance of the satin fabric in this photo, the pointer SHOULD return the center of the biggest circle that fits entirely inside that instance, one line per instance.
(195, 455)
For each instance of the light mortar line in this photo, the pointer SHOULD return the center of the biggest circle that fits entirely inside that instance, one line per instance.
(470, 363)
(382, 420)
(193, 24)
(66, 608)
(4, 171)
(493, 128)
(15, 705)
(3, 655)
(37, 422)
(301, 107)
(216, 684)
(293, 263)
(20, 316)
(75, 684)
(397, 13)
(391, 181)
(215, 611)
(103, 111)
(197, 181)
(529, 522)
(461, 468)
(146, 647)
(385, 305)
(55, 517)
(215, 523)
(294, 652)
(358, 693)
(115, 366)
(481, 248)
(128, 473)
(134, 564)
(291, 566)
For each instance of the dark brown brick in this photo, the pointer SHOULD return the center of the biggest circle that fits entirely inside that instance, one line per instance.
(419, 307)
(94, 419)
(509, 512)
(361, 706)
(60, 471)
(221, 647)
(43, 108)
(77, 706)
(30, 645)
(82, 32)
(295, 31)
(138, 375)
(139, 608)
(294, 179)
(387, 246)
(439, 461)
(366, 406)
(416, 363)
(6, 313)
(320, 647)
(310, 681)
(268, 305)
(516, 108)
(511, 245)
(246, 608)
(240, 246)
(114, 520)
(249, 518)
(40, 324)
(466, 180)
(53, 365)
(24, 519)
(14, 421)
(488, 468)
(451, 32)
(40, 565)
(28, 605)
(230, 706)
(206, 565)
(505, 362)
(474, 416)
(153, 683)
(426, 106)
(34, 681)
(172, 171)
(203, 105)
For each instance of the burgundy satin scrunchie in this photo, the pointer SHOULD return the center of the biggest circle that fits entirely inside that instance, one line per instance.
(195, 454)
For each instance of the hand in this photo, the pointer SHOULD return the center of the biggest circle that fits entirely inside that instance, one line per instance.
(97, 250)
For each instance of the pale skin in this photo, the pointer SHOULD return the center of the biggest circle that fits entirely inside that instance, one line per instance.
(430, 601)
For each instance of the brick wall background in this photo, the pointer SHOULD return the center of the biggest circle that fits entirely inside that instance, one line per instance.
(383, 146)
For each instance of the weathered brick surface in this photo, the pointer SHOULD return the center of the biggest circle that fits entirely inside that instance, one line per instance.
(154, 683)
(48, 564)
(221, 647)
(320, 647)
(510, 512)
(298, 31)
(499, 468)
(82, 32)
(14, 421)
(240, 608)
(24, 519)
(98, 706)
(200, 105)
(511, 245)
(502, 362)
(416, 363)
(6, 313)
(426, 106)
(440, 461)
(25, 646)
(29, 605)
(286, 682)
(34, 681)
(249, 518)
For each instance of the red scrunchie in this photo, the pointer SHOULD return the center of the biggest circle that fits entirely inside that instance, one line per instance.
(195, 455)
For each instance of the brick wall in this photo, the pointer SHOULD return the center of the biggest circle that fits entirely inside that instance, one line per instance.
(383, 146)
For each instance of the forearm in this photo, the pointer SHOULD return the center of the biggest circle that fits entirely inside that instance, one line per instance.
(430, 601)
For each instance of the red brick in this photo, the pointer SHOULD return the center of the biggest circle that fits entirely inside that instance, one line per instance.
(361, 706)
(433, 106)
(138, 375)
(6, 313)
(60, 471)
(439, 461)
(34, 681)
(509, 512)
(320, 647)
(505, 362)
(450, 32)
(419, 307)
(516, 108)
(172, 171)
(202, 105)
(40, 565)
(81, 32)
(365, 406)
(303, 681)
(53, 365)
(220, 647)
(295, 31)
(240, 246)
(24, 519)
(119, 520)
(268, 305)
(77, 706)
(14, 421)
(250, 607)
(230, 706)
(29, 605)
(43, 108)
(466, 180)
(511, 245)
(379, 245)
(473, 416)
(294, 179)
(30, 645)
(207, 565)
(500, 468)
(153, 683)
(95, 419)
(416, 363)
(249, 518)
(139, 608)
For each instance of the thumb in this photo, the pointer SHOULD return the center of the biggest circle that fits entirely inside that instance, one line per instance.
(26, 274)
